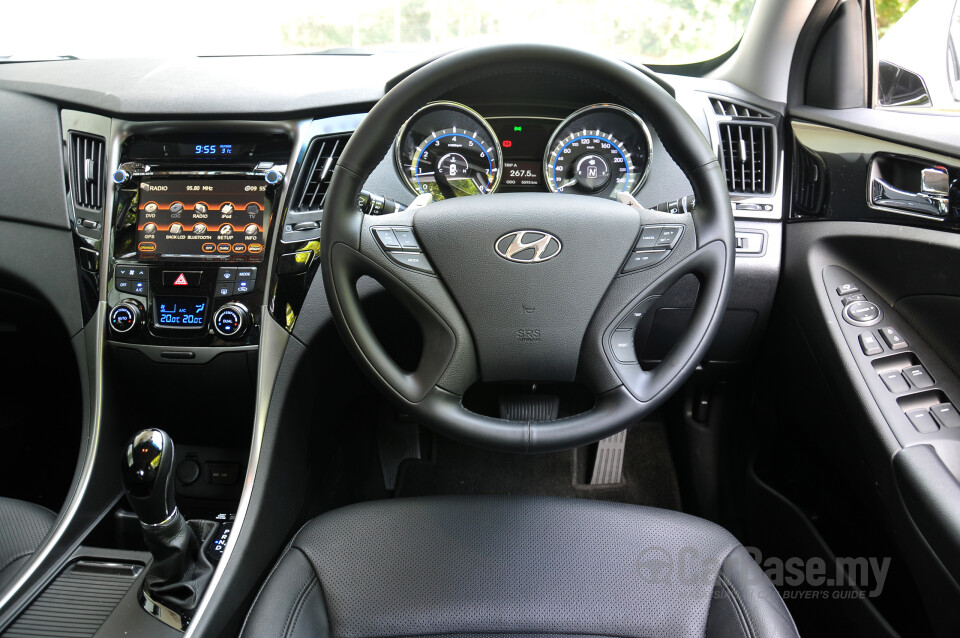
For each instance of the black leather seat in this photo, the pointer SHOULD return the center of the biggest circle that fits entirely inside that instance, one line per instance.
(23, 526)
(515, 565)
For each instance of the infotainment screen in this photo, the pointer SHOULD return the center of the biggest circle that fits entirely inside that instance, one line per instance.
(201, 218)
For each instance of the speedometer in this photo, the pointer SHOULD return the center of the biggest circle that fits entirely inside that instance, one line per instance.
(449, 150)
(600, 150)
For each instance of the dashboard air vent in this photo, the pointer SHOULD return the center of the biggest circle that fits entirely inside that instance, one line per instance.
(747, 155)
(809, 182)
(315, 172)
(87, 165)
(733, 109)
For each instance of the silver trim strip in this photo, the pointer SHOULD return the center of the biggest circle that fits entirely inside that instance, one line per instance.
(96, 125)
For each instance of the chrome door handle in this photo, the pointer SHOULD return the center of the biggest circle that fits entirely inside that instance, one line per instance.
(933, 200)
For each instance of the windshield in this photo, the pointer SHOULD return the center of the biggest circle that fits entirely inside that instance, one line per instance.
(650, 31)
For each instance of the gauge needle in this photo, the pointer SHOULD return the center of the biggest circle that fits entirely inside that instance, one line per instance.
(569, 182)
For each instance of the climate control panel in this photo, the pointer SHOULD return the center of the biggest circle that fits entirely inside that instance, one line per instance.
(191, 305)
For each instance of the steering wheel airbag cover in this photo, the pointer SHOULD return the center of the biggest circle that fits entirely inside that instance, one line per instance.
(527, 319)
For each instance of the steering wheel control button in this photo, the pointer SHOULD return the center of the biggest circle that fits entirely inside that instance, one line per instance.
(406, 238)
(231, 320)
(669, 236)
(894, 381)
(918, 377)
(644, 259)
(387, 239)
(862, 313)
(849, 299)
(946, 415)
(648, 237)
(125, 316)
(922, 421)
(847, 289)
(621, 342)
(417, 261)
(893, 338)
(869, 344)
(636, 314)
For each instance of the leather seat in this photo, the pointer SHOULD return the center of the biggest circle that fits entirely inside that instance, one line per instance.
(23, 526)
(514, 565)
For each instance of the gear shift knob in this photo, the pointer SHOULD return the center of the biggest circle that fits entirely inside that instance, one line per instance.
(146, 471)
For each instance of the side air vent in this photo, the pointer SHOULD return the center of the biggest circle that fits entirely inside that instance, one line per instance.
(316, 170)
(809, 182)
(734, 109)
(87, 164)
(748, 155)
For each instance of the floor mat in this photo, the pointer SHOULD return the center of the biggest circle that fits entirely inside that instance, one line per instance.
(455, 468)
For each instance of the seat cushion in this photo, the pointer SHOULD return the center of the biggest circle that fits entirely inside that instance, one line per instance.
(511, 566)
(23, 526)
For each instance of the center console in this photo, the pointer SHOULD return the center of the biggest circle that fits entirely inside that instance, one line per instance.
(193, 217)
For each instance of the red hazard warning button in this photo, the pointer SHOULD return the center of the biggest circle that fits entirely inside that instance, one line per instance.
(182, 279)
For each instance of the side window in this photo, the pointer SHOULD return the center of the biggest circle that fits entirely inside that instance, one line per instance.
(918, 48)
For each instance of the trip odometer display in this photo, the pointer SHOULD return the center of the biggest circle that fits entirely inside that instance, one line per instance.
(600, 150)
(448, 150)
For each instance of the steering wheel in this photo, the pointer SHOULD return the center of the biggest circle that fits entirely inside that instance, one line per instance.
(562, 313)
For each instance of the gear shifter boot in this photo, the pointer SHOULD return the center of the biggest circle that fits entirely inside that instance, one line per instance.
(179, 573)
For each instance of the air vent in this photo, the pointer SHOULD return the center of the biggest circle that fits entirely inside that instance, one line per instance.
(316, 170)
(87, 157)
(809, 182)
(734, 109)
(747, 154)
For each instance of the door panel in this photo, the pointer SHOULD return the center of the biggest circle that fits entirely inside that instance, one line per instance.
(889, 437)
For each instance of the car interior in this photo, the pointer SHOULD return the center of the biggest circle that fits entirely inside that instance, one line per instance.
(506, 338)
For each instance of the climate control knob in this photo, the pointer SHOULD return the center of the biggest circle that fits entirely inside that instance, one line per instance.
(126, 316)
(231, 320)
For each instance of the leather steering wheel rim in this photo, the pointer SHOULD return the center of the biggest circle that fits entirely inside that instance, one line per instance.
(452, 360)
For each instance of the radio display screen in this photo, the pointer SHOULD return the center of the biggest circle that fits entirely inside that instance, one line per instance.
(181, 312)
(201, 218)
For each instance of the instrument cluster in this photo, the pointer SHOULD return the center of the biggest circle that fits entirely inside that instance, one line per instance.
(449, 150)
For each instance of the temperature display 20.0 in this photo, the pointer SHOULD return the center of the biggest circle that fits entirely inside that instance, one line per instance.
(181, 312)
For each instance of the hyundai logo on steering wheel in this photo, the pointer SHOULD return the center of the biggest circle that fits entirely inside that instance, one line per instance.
(528, 246)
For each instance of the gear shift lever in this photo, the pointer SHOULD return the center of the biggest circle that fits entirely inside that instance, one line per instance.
(179, 572)
(147, 475)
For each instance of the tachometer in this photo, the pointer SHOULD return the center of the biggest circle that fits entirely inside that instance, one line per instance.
(449, 150)
(600, 150)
